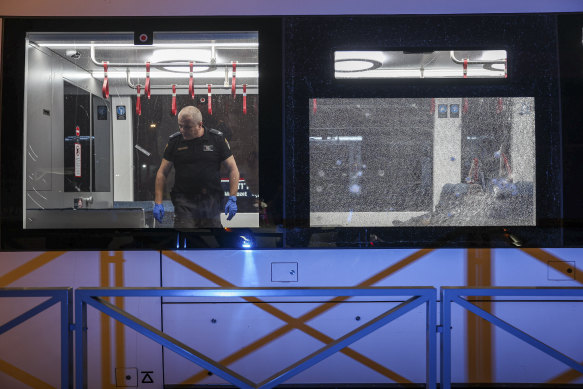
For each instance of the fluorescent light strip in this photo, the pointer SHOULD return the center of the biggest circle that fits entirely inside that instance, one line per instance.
(167, 45)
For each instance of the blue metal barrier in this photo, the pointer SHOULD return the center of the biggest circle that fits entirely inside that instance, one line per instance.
(56, 295)
(93, 297)
(454, 294)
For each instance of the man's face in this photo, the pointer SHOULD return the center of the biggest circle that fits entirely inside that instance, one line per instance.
(188, 128)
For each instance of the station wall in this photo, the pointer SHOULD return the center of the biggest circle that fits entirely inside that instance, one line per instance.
(256, 338)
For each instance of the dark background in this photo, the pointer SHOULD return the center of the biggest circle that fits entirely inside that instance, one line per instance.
(570, 29)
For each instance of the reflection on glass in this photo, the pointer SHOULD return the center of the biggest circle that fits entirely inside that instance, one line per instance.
(422, 162)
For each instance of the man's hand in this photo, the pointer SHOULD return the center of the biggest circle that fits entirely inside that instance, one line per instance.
(159, 212)
(231, 207)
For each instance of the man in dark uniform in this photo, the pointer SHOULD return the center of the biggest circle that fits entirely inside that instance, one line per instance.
(197, 154)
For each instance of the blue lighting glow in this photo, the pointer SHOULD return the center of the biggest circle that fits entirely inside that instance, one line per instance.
(246, 243)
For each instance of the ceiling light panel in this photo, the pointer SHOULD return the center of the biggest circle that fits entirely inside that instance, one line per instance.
(420, 64)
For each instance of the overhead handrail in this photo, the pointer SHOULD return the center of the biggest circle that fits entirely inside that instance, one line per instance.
(185, 63)
(179, 86)
(477, 62)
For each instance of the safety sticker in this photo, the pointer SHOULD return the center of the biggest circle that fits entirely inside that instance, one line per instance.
(102, 112)
(120, 110)
(77, 159)
(147, 378)
(442, 111)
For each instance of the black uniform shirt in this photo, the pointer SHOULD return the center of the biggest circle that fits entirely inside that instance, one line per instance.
(197, 162)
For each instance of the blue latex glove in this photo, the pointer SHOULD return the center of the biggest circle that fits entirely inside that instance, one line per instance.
(231, 207)
(158, 212)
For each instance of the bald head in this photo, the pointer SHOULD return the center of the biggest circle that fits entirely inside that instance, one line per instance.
(190, 113)
(190, 122)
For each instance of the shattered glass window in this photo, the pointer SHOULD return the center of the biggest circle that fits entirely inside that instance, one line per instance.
(422, 162)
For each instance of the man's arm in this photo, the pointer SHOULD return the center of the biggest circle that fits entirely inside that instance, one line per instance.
(163, 171)
(231, 206)
(231, 166)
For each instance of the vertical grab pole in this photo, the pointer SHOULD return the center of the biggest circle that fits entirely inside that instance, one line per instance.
(445, 378)
(431, 341)
(66, 338)
(80, 341)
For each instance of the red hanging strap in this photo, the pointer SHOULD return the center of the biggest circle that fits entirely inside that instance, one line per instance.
(500, 106)
(173, 100)
(314, 105)
(244, 99)
(507, 164)
(505, 68)
(105, 87)
(191, 81)
(209, 101)
(138, 102)
(233, 82)
(465, 106)
(147, 87)
(465, 68)
(432, 106)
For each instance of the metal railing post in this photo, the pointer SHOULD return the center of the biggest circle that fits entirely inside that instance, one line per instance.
(67, 338)
(62, 296)
(80, 341)
(445, 344)
(431, 341)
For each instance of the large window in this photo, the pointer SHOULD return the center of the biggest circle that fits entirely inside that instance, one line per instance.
(422, 162)
(100, 108)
